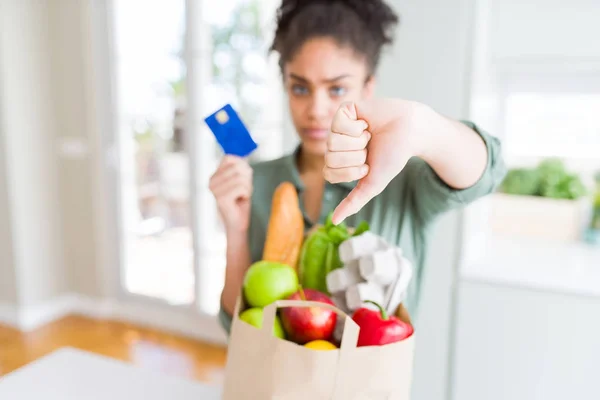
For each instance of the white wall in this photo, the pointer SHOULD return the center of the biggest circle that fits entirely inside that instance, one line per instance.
(28, 133)
(50, 202)
(8, 292)
(70, 69)
(545, 29)
(431, 63)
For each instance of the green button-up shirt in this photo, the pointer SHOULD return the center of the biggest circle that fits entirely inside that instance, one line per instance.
(403, 213)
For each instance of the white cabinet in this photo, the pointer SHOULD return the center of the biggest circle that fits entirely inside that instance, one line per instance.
(525, 344)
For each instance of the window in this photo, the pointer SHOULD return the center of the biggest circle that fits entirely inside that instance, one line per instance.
(551, 115)
(565, 125)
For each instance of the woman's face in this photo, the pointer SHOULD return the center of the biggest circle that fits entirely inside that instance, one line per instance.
(319, 77)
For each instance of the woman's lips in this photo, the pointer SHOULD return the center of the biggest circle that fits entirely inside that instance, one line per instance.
(315, 133)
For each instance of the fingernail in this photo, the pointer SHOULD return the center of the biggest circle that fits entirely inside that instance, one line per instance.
(348, 111)
(364, 170)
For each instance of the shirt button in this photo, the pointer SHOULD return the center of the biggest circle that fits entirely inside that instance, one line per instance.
(328, 196)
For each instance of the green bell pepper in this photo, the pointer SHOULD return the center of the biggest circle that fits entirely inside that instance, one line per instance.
(320, 253)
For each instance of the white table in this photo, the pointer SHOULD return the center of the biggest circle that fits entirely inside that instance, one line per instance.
(71, 374)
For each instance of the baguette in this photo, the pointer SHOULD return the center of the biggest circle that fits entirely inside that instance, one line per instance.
(285, 232)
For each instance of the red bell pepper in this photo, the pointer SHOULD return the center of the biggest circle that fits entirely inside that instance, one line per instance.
(377, 329)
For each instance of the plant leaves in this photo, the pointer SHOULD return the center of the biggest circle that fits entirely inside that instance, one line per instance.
(549, 179)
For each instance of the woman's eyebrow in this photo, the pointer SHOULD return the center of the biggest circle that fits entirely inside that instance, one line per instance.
(329, 80)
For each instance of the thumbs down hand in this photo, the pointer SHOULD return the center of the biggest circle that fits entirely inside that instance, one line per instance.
(371, 142)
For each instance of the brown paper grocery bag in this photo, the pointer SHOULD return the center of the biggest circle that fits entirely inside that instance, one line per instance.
(262, 366)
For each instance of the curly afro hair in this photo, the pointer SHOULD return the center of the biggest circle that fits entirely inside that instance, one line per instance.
(365, 26)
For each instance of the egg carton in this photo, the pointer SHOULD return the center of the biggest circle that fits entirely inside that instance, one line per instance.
(372, 270)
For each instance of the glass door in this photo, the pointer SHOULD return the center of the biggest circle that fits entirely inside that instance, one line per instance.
(176, 62)
(154, 161)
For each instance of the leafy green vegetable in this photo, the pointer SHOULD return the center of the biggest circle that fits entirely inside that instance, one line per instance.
(549, 179)
(320, 253)
(551, 166)
(567, 187)
(522, 182)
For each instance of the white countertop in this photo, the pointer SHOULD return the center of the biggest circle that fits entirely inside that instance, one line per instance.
(571, 268)
(71, 374)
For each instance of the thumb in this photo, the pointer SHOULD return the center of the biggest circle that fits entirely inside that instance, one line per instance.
(373, 184)
(356, 200)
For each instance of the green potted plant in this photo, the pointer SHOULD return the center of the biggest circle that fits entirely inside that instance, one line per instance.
(546, 201)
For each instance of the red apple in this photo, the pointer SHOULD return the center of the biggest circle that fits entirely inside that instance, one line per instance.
(305, 324)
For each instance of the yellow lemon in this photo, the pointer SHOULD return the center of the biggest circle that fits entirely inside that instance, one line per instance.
(320, 345)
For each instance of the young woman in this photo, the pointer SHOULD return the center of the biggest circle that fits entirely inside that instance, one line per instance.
(410, 162)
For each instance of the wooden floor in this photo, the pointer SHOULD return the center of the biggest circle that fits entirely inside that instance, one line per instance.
(144, 347)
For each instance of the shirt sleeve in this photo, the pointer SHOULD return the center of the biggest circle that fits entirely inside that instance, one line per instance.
(432, 196)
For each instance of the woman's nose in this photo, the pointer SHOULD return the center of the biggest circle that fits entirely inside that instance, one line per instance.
(319, 106)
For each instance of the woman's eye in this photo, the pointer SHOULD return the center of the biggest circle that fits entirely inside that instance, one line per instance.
(299, 90)
(337, 91)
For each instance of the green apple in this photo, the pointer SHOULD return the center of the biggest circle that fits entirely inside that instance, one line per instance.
(254, 316)
(266, 282)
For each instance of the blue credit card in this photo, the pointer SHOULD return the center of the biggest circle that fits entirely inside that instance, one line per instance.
(230, 132)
